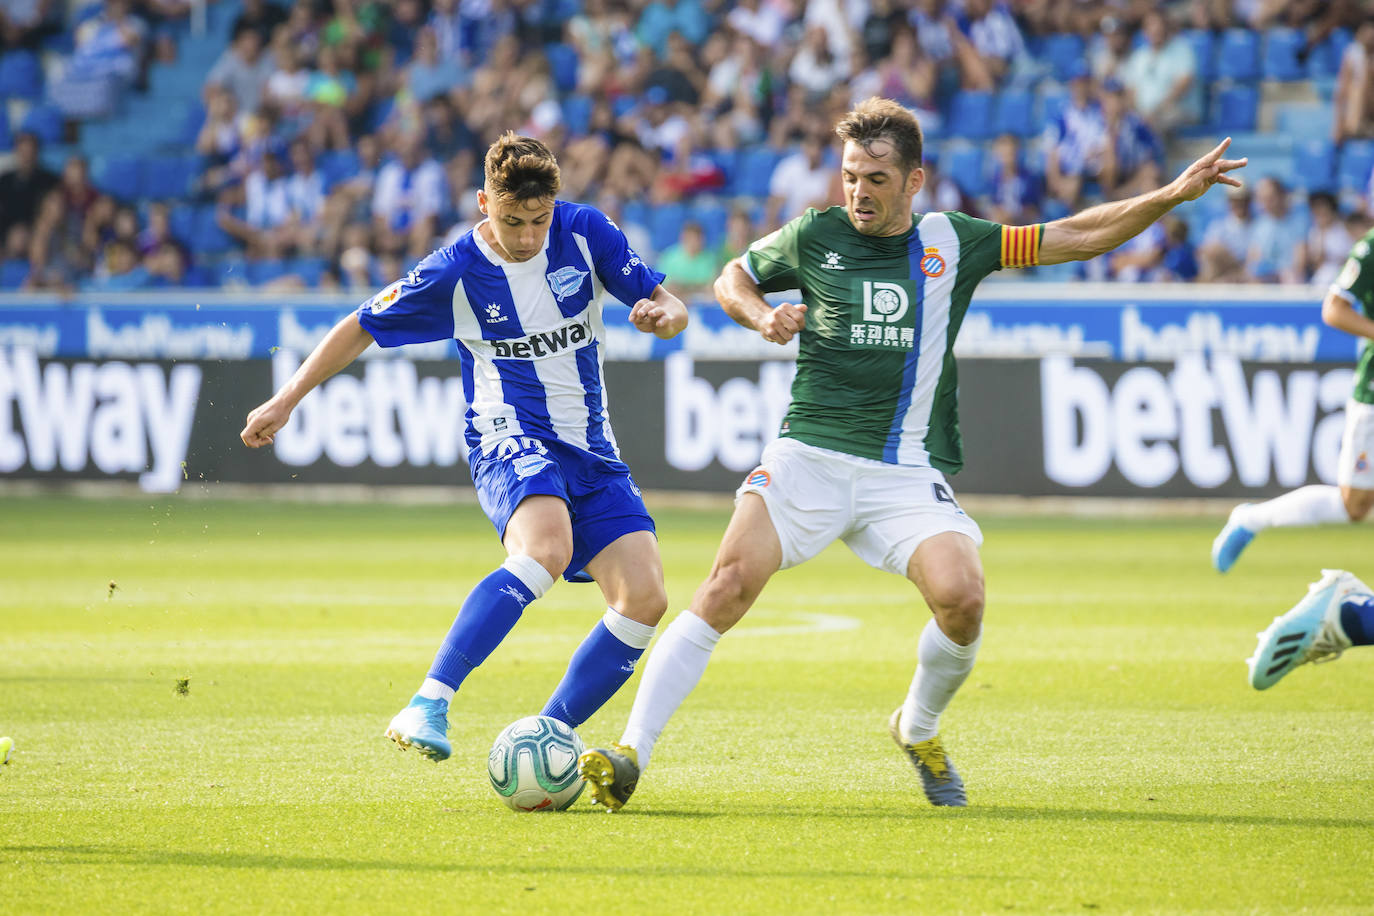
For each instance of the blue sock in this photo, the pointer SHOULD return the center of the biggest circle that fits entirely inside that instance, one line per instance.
(1357, 619)
(487, 615)
(603, 662)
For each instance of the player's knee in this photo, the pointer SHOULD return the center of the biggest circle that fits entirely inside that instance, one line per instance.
(1358, 503)
(960, 612)
(725, 596)
(645, 601)
(554, 556)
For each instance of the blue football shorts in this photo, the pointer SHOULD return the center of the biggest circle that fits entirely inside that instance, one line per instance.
(603, 500)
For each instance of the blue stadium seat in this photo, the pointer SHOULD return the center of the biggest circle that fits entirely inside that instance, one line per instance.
(964, 165)
(164, 177)
(1314, 164)
(635, 212)
(260, 272)
(970, 115)
(208, 237)
(44, 121)
(1357, 160)
(665, 224)
(1015, 113)
(1050, 104)
(21, 75)
(755, 170)
(1236, 109)
(1281, 47)
(1204, 52)
(6, 138)
(1238, 56)
(1324, 60)
(562, 65)
(577, 114)
(337, 166)
(712, 215)
(1064, 53)
(310, 270)
(13, 273)
(182, 218)
(1300, 120)
(119, 176)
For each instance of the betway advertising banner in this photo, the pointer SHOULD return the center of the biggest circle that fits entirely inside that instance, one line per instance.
(1056, 425)
(1006, 320)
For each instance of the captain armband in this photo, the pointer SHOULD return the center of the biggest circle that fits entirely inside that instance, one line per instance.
(1021, 245)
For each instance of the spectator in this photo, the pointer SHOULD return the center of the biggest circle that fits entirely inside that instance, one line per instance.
(691, 267)
(284, 94)
(1180, 260)
(407, 198)
(23, 187)
(1141, 258)
(762, 20)
(799, 180)
(260, 16)
(429, 75)
(662, 18)
(243, 69)
(1109, 49)
(1276, 234)
(1016, 191)
(1161, 77)
(1353, 103)
(78, 194)
(25, 23)
(939, 193)
(945, 42)
(679, 74)
(107, 58)
(118, 270)
(1129, 148)
(329, 91)
(1226, 243)
(816, 66)
(305, 199)
(906, 74)
(263, 229)
(881, 24)
(1073, 142)
(355, 261)
(994, 37)
(1322, 254)
(740, 233)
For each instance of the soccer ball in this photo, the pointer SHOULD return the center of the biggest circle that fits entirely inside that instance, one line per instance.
(533, 764)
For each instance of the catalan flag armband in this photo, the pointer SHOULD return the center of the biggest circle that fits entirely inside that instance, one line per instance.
(1021, 245)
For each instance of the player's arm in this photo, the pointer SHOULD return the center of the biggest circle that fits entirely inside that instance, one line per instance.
(1100, 229)
(343, 344)
(662, 314)
(1341, 314)
(743, 301)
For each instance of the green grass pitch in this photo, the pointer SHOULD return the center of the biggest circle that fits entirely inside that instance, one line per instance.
(1115, 757)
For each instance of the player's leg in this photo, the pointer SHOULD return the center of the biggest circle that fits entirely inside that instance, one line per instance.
(1336, 613)
(1311, 505)
(538, 541)
(630, 574)
(749, 554)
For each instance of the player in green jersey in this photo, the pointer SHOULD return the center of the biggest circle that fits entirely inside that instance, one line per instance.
(873, 422)
(1349, 307)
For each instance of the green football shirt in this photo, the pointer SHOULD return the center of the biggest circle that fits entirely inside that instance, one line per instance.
(875, 369)
(1355, 284)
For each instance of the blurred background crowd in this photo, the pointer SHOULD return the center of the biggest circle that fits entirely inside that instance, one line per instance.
(328, 144)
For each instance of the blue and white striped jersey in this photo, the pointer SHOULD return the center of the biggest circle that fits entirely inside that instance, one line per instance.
(529, 334)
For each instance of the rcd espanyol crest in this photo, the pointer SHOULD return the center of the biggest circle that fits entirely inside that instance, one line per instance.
(565, 281)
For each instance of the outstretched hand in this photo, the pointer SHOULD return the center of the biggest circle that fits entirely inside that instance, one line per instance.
(1209, 170)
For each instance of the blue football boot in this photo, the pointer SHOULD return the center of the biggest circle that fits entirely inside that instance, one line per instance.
(422, 725)
(1310, 632)
(939, 779)
(1234, 538)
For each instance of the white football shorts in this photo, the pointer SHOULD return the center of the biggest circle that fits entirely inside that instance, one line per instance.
(1355, 468)
(882, 511)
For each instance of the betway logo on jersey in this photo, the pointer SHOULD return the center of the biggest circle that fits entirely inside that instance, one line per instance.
(545, 343)
(883, 304)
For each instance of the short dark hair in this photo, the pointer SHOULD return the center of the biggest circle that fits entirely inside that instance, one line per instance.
(522, 168)
(883, 119)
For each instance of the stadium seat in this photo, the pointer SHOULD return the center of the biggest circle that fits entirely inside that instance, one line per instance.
(964, 165)
(6, 138)
(182, 219)
(1356, 162)
(665, 224)
(1015, 113)
(1204, 52)
(119, 176)
(1281, 47)
(1324, 60)
(712, 215)
(1238, 56)
(562, 65)
(45, 121)
(164, 177)
(1314, 164)
(13, 273)
(1302, 120)
(1050, 104)
(1064, 53)
(337, 166)
(970, 115)
(208, 237)
(577, 114)
(755, 171)
(1236, 109)
(21, 75)
(310, 270)
(260, 272)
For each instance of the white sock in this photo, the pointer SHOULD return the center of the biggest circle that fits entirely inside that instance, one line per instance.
(942, 666)
(673, 669)
(436, 690)
(1311, 505)
(632, 633)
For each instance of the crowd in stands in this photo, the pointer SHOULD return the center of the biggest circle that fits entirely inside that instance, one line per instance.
(334, 142)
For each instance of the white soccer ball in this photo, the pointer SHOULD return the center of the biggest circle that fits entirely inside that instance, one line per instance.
(533, 764)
